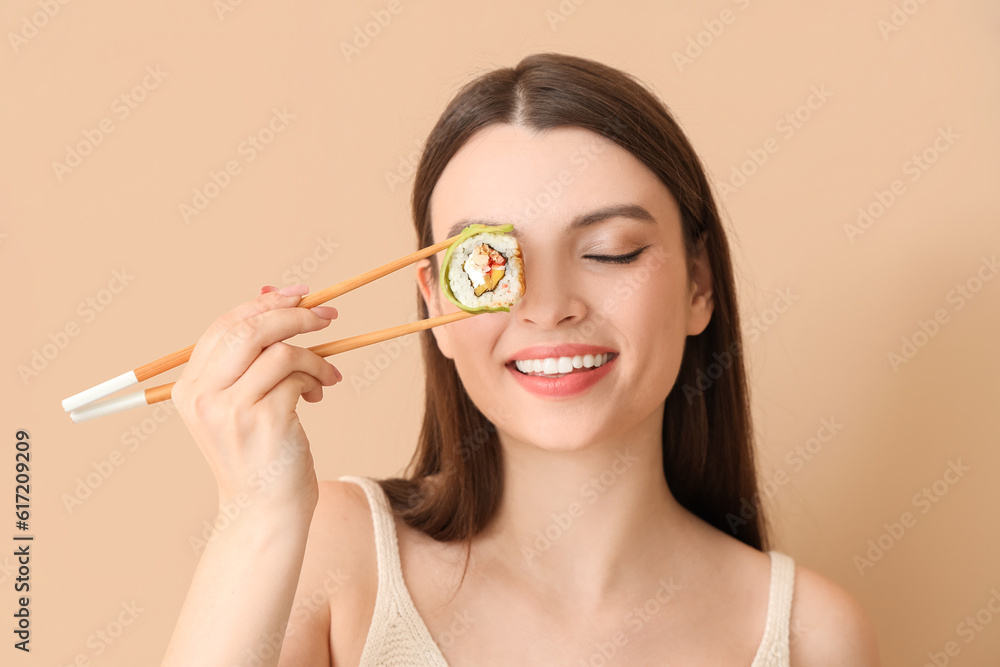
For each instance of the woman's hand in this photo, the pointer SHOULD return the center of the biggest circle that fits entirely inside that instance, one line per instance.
(238, 394)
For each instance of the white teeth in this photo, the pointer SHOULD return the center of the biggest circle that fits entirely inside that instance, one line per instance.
(561, 365)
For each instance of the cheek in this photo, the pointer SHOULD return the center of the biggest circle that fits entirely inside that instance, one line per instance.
(657, 293)
(474, 345)
(474, 340)
(653, 317)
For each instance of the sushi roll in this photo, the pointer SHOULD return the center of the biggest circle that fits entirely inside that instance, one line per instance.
(482, 270)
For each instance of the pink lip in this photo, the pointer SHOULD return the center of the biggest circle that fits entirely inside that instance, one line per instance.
(565, 386)
(561, 350)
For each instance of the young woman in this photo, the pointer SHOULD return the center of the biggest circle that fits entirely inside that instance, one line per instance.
(583, 490)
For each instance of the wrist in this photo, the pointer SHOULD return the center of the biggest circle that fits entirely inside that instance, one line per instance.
(265, 515)
(258, 530)
(237, 504)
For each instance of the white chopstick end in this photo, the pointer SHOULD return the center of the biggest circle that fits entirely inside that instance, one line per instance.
(108, 407)
(99, 391)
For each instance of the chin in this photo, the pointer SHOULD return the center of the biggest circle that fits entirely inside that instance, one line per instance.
(553, 435)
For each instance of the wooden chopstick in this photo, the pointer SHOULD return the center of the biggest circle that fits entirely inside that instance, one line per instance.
(162, 392)
(175, 359)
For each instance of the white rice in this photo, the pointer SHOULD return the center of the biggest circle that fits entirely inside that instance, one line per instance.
(507, 291)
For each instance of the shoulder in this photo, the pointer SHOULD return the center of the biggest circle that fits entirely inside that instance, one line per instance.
(341, 506)
(339, 580)
(335, 581)
(341, 532)
(339, 563)
(828, 626)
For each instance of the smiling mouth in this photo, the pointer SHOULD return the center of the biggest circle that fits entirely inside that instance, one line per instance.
(557, 367)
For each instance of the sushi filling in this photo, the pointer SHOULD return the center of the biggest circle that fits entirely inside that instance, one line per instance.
(485, 268)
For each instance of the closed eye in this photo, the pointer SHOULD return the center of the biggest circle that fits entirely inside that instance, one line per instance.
(617, 259)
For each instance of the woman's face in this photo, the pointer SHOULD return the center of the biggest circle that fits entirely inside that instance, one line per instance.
(574, 199)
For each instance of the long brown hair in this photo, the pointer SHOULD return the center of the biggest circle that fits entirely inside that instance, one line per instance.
(708, 457)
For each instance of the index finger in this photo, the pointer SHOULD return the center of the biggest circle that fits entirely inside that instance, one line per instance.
(263, 302)
(243, 343)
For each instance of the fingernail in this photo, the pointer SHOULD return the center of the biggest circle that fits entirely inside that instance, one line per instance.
(268, 288)
(294, 290)
(340, 376)
(326, 312)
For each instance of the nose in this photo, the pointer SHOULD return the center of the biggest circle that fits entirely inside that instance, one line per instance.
(551, 298)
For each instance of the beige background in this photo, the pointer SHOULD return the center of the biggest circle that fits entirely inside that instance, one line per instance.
(337, 176)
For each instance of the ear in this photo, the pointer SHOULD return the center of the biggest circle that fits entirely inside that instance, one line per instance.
(702, 301)
(430, 289)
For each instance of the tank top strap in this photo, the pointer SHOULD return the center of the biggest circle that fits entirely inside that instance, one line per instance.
(773, 649)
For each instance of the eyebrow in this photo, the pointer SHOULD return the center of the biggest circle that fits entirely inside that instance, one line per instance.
(631, 211)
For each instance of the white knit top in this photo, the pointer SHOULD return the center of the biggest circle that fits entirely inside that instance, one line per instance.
(398, 637)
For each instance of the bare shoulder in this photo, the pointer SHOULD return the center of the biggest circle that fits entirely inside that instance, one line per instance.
(341, 536)
(337, 551)
(828, 626)
(328, 585)
(341, 507)
(342, 510)
(341, 563)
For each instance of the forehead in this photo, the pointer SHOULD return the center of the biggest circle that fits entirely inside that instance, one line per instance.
(511, 174)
